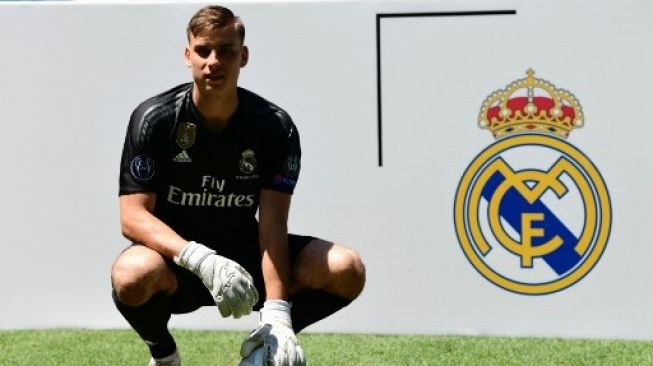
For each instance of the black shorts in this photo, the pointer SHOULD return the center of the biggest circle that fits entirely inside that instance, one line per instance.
(192, 294)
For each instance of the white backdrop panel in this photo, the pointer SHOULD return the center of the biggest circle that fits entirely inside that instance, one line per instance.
(71, 75)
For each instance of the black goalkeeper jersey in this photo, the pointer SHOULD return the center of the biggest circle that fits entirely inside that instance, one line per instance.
(208, 183)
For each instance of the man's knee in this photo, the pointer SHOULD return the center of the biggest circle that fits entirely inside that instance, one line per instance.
(139, 273)
(323, 265)
(349, 269)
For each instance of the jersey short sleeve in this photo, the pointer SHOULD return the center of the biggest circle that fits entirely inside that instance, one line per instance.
(140, 156)
(282, 156)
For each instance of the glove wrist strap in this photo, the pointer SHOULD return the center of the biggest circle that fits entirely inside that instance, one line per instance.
(193, 255)
(275, 311)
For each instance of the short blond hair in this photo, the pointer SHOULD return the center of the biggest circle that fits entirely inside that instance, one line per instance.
(214, 17)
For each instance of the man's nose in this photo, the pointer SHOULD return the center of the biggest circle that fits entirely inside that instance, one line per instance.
(213, 60)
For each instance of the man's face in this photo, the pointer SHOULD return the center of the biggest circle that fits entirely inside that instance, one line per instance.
(215, 59)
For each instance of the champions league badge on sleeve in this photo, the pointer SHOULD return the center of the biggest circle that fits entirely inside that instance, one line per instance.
(142, 168)
(532, 212)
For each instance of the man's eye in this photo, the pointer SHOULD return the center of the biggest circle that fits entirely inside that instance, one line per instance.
(226, 52)
(203, 52)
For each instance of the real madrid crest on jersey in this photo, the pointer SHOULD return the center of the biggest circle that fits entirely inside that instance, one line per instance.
(247, 163)
(532, 212)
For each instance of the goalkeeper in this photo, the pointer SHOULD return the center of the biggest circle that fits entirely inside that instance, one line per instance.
(199, 161)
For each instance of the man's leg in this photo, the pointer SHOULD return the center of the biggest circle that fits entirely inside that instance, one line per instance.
(325, 278)
(142, 284)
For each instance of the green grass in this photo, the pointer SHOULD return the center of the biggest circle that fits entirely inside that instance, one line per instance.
(124, 348)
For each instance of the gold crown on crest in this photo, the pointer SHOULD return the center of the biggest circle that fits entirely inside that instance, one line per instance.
(531, 105)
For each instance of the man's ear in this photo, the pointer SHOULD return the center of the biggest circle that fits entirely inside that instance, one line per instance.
(244, 56)
(187, 56)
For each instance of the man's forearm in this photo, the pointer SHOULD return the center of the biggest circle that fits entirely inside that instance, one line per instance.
(141, 226)
(275, 265)
(273, 236)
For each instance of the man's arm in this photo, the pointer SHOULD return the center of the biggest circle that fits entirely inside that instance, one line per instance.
(274, 333)
(273, 238)
(141, 226)
(231, 286)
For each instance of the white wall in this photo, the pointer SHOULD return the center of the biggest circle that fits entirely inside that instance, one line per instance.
(71, 74)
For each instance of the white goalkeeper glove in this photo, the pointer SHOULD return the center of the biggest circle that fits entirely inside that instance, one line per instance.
(230, 284)
(276, 336)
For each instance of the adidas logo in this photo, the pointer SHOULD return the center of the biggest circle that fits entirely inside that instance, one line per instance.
(182, 157)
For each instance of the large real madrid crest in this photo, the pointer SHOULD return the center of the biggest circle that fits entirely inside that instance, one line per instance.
(532, 212)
